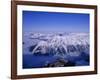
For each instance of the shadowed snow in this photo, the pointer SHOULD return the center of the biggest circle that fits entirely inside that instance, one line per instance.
(57, 43)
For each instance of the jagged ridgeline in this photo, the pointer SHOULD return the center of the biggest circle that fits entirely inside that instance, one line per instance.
(61, 44)
(55, 49)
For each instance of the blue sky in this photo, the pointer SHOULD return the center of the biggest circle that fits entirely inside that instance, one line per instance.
(55, 22)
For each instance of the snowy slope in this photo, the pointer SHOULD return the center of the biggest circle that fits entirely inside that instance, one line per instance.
(62, 44)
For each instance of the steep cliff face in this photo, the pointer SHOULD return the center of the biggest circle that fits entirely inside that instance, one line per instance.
(60, 44)
(55, 49)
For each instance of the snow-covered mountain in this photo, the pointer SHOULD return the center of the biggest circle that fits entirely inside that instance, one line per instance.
(61, 44)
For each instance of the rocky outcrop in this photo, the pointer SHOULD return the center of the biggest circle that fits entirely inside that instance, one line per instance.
(60, 63)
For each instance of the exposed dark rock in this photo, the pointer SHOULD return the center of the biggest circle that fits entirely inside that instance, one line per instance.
(60, 34)
(23, 42)
(60, 63)
(69, 63)
(31, 48)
